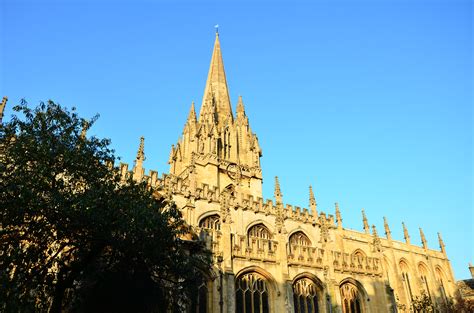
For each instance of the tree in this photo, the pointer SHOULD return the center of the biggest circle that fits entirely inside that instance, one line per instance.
(73, 233)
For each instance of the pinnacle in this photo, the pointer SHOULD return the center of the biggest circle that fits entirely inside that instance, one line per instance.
(192, 113)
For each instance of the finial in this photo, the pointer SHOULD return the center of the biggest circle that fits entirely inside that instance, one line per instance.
(278, 195)
(366, 222)
(312, 202)
(338, 216)
(441, 243)
(405, 233)
(423, 239)
(2, 107)
(217, 29)
(388, 233)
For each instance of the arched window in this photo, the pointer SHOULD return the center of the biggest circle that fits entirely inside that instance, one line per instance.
(260, 231)
(406, 279)
(199, 305)
(423, 276)
(299, 239)
(251, 294)
(351, 298)
(305, 296)
(211, 222)
(261, 236)
(440, 278)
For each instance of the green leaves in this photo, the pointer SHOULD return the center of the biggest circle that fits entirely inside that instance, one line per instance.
(67, 222)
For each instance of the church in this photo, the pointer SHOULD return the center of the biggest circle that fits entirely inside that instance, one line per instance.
(272, 257)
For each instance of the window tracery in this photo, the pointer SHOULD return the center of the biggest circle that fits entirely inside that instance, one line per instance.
(305, 296)
(350, 298)
(251, 293)
(212, 222)
(300, 239)
(261, 236)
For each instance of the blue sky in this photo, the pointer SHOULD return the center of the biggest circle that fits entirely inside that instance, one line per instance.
(368, 101)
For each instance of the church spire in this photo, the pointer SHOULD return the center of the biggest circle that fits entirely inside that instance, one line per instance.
(216, 92)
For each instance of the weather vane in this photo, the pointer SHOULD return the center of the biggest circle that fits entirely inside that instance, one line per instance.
(217, 28)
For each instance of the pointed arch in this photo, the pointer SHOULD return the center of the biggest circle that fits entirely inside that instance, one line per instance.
(255, 289)
(406, 277)
(308, 293)
(299, 237)
(353, 296)
(211, 222)
(423, 275)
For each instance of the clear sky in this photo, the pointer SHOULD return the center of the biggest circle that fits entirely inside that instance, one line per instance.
(368, 101)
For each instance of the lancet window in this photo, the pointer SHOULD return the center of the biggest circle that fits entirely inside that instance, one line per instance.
(251, 294)
(212, 222)
(440, 279)
(423, 276)
(305, 296)
(406, 280)
(351, 298)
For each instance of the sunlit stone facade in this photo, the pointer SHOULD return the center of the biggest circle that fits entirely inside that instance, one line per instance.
(270, 256)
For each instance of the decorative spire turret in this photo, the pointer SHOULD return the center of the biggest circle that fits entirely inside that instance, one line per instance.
(216, 93)
(366, 222)
(241, 117)
(192, 114)
(405, 233)
(138, 163)
(423, 239)
(377, 242)
(441, 243)
(388, 233)
(3, 104)
(312, 203)
(278, 195)
(338, 216)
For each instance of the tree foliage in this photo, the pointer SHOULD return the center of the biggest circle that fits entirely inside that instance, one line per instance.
(74, 236)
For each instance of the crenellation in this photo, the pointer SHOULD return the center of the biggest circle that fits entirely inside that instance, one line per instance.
(215, 170)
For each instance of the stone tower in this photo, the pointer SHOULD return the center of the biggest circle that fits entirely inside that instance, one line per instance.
(219, 148)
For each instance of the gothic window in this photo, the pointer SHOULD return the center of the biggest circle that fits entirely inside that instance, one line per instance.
(423, 277)
(200, 302)
(212, 222)
(305, 296)
(261, 236)
(251, 294)
(440, 279)
(299, 239)
(406, 279)
(260, 231)
(350, 298)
